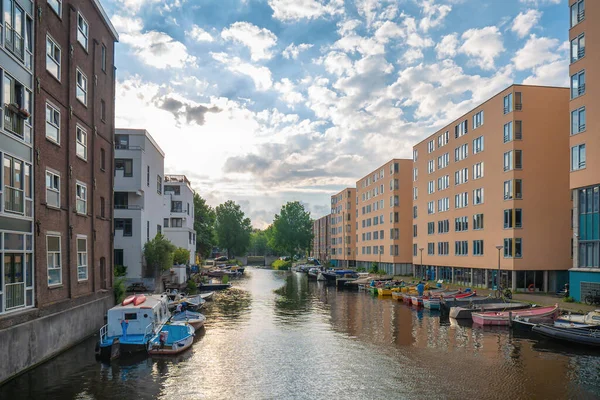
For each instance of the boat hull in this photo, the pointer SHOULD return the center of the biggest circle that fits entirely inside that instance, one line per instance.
(457, 312)
(581, 336)
(172, 346)
(502, 318)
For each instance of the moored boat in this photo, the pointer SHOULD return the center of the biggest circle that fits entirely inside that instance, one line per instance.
(172, 339)
(582, 336)
(384, 291)
(207, 296)
(193, 318)
(466, 312)
(416, 301)
(313, 274)
(211, 287)
(592, 318)
(502, 317)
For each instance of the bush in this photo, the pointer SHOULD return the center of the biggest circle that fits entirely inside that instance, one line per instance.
(374, 268)
(569, 300)
(233, 261)
(281, 265)
(181, 256)
(360, 269)
(119, 290)
(120, 270)
(192, 287)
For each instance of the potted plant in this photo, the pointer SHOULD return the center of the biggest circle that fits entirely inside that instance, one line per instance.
(14, 107)
(23, 113)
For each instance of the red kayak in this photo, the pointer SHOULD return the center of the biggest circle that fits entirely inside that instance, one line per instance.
(139, 299)
(128, 300)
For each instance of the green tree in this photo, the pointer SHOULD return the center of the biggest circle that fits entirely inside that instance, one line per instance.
(204, 225)
(158, 254)
(259, 243)
(181, 256)
(292, 229)
(232, 228)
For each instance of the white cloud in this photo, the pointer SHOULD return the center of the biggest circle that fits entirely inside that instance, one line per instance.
(535, 52)
(525, 21)
(291, 10)
(412, 55)
(348, 26)
(199, 34)
(288, 93)
(355, 43)
(447, 47)
(389, 30)
(368, 9)
(553, 74)
(260, 75)
(292, 51)
(258, 40)
(540, 2)
(337, 63)
(482, 45)
(434, 14)
(127, 25)
(407, 30)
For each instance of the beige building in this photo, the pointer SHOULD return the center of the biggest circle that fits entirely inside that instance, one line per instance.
(342, 223)
(384, 218)
(584, 145)
(320, 248)
(492, 189)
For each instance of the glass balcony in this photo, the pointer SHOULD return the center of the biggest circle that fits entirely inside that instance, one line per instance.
(15, 295)
(13, 200)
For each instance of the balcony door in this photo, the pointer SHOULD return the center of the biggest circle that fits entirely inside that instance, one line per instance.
(14, 281)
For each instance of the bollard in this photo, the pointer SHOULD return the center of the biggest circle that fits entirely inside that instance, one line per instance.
(510, 319)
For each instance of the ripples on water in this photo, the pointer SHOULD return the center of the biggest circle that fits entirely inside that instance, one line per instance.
(312, 342)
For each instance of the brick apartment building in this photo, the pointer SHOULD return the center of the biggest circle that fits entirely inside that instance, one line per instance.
(320, 247)
(343, 229)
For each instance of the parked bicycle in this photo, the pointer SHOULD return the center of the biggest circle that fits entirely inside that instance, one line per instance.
(591, 299)
(503, 293)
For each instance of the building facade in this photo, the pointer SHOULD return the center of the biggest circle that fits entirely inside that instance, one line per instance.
(584, 139)
(138, 200)
(492, 192)
(384, 218)
(343, 228)
(320, 248)
(178, 214)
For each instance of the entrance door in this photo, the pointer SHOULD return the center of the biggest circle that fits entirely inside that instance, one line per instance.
(14, 284)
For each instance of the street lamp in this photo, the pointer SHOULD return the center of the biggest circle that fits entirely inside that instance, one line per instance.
(421, 265)
(499, 247)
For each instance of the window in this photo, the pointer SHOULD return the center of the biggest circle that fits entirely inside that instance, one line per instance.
(443, 139)
(103, 58)
(508, 189)
(578, 48)
(395, 217)
(147, 231)
(52, 57)
(414, 249)
(102, 160)
(430, 146)
(461, 200)
(13, 185)
(81, 91)
(461, 176)
(477, 247)
(443, 182)
(431, 249)
(513, 160)
(461, 224)
(443, 161)
(577, 12)
(56, 5)
(508, 248)
(414, 231)
(443, 204)
(430, 166)
(414, 211)
(52, 123)
(102, 110)
(176, 223)
(125, 165)
(15, 29)
(82, 31)
(125, 225)
(415, 174)
(166, 222)
(81, 198)
(431, 187)
(17, 108)
(415, 194)
(478, 145)
(508, 103)
(431, 228)
(102, 207)
(443, 248)
(444, 226)
(81, 143)
(461, 152)
(513, 218)
(478, 196)
(477, 221)
(122, 142)
(393, 250)
(53, 260)
(508, 132)
(415, 158)
(578, 84)
(52, 189)
(82, 261)
(158, 184)
(460, 129)
(478, 119)
(176, 206)
(431, 207)
(578, 120)
(461, 248)
(478, 170)
(578, 157)
(148, 176)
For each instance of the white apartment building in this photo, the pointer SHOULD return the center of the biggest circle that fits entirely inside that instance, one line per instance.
(178, 220)
(138, 199)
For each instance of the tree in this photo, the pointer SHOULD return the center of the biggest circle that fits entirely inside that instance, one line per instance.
(292, 229)
(204, 225)
(232, 228)
(181, 256)
(159, 254)
(259, 243)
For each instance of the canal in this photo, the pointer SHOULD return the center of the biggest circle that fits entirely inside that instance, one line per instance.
(302, 340)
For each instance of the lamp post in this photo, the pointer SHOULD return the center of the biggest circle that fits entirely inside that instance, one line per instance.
(421, 265)
(499, 247)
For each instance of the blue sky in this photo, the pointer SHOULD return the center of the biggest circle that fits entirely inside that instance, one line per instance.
(267, 101)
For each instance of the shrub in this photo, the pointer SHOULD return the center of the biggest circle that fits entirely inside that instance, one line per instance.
(120, 270)
(374, 268)
(281, 265)
(360, 269)
(225, 279)
(119, 290)
(181, 256)
(233, 261)
(192, 287)
(569, 300)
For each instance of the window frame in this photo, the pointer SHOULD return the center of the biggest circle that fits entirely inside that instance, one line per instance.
(78, 143)
(58, 62)
(86, 35)
(81, 265)
(59, 11)
(580, 86)
(52, 175)
(53, 110)
(54, 253)
(79, 198)
(83, 87)
(579, 148)
(579, 111)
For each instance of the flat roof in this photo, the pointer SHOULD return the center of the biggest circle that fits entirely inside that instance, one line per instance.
(107, 21)
(140, 132)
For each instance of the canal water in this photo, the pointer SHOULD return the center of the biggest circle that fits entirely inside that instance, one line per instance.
(303, 340)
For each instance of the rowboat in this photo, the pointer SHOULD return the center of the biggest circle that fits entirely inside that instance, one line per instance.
(527, 323)
(397, 295)
(591, 319)
(172, 339)
(416, 301)
(465, 312)
(501, 317)
(384, 291)
(432, 303)
(206, 296)
(583, 336)
(193, 318)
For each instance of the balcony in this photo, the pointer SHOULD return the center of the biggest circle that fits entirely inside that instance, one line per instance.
(519, 106)
(14, 119)
(128, 207)
(127, 147)
(177, 178)
(581, 89)
(13, 200)
(13, 41)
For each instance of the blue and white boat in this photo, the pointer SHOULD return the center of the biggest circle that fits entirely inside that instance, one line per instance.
(131, 325)
(193, 318)
(173, 338)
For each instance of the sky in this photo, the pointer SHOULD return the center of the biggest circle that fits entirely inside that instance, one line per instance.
(269, 101)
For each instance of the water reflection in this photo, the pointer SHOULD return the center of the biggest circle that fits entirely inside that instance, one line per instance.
(305, 340)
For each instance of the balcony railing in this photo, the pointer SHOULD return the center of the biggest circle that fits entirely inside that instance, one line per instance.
(13, 41)
(12, 121)
(518, 106)
(128, 207)
(580, 16)
(15, 295)
(507, 110)
(581, 53)
(127, 147)
(581, 89)
(13, 200)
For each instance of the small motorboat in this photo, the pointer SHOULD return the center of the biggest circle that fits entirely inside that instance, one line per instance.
(330, 276)
(320, 277)
(211, 287)
(216, 273)
(172, 339)
(590, 319)
(384, 291)
(582, 336)
(502, 317)
(207, 296)
(313, 274)
(193, 318)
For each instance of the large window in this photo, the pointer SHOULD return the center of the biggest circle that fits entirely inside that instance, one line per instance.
(461, 224)
(578, 48)
(430, 146)
(477, 247)
(443, 182)
(53, 260)
(444, 226)
(508, 132)
(443, 204)
(513, 218)
(125, 165)
(461, 200)
(125, 225)
(477, 221)
(443, 160)
(81, 148)
(430, 207)
(82, 259)
(508, 103)
(461, 129)
(82, 87)
(578, 157)
(52, 123)
(513, 247)
(461, 176)
(478, 145)
(431, 249)
(14, 187)
(443, 248)
(578, 120)
(176, 223)
(589, 227)
(430, 166)
(461, 152)
(478, 170)
(81, 198)
(52, 189)
(443, 139)
(430, 187)
(478, 196)
(176, 206)
(431, 228)
(513, 189)
(478, 119)
(577, 12)
(52, 57)
(17, 108)
(82, 31)
(461, 248)
(578, 84)
(513, 160)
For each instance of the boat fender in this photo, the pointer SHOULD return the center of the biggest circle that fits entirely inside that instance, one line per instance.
(531, 288)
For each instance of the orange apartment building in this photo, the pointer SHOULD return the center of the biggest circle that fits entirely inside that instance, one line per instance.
(342, 223)
(320, 248)
(384, 218)
(584, 142)
(491, 189)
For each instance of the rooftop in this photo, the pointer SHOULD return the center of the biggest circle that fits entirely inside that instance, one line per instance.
(177, 178)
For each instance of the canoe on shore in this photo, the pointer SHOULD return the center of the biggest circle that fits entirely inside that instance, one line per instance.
(502, 317)
(465, 312)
